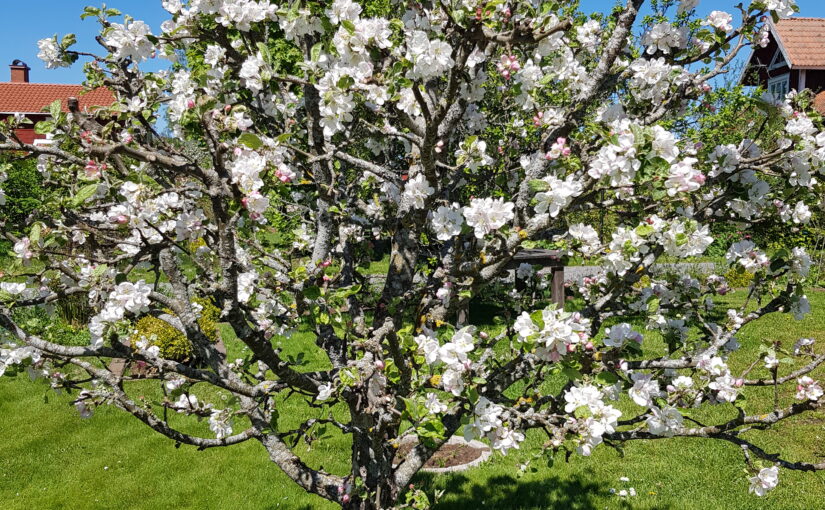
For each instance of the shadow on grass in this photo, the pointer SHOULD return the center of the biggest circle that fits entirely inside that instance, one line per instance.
(507, 492)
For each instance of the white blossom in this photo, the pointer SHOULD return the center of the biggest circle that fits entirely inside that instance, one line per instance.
(765, 481)
(808, 389)
(130, 40)
(487, 214)
(324, 392)
(719, 20)
(665, 421)
(446, 222)
(417, 190)
(50, 53)
(645, 389)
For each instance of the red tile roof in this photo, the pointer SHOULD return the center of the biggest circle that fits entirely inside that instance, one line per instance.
(803, 41)
(34, 97)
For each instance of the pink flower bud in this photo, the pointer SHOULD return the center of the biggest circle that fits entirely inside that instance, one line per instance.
(483, 335)
(739, 383)
(589, 346)
(571, 347)
(345, 498)
(379, 364)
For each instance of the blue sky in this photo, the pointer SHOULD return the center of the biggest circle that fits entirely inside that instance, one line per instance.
(26, 21)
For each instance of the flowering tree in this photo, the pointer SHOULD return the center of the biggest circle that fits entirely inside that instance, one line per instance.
(456, 132)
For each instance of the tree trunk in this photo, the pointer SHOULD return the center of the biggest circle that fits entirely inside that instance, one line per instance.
(372, 457)
(376, 426)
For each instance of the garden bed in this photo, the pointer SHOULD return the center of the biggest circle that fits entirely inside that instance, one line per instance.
(456, 455)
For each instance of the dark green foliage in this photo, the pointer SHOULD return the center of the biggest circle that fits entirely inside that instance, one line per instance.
(51, 327)
(724, 235)
(24, 193)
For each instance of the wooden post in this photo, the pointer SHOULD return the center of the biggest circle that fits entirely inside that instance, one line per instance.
(543, 258)
(557, 288)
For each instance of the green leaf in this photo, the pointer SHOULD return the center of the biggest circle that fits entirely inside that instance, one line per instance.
(653, 305)
(315, 52)
(348, 25)
(537, 185)
(571, 373)
(44, 127)
(55, 108)
(264, 49)
(312, 292)
(34, 235)
(83, 194)
(89, 12)
(68, 40)
(607, 378)
(472, 395)
(250, 140)
(644, 230)
(410, 409)
(345, 82)
(345, 292)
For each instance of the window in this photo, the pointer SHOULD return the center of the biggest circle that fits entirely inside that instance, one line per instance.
(779, 86)
(778, 60)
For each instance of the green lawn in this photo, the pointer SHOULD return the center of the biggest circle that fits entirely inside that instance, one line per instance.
(50, 458)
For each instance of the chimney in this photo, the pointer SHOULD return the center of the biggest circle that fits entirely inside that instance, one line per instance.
(19, 72)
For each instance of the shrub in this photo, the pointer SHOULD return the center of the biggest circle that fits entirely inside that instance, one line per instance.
(24, 193)
(737, 277)
(52, 328)
(172, 342)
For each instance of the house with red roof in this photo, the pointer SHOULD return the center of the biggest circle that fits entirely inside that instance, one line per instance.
(793, 59)
(20, 96)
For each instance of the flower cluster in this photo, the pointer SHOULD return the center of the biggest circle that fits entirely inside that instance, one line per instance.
(453, 354)
(126, 297)
(558, 334)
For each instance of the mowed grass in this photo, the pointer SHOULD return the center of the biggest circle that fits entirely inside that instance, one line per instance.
(50, 458)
